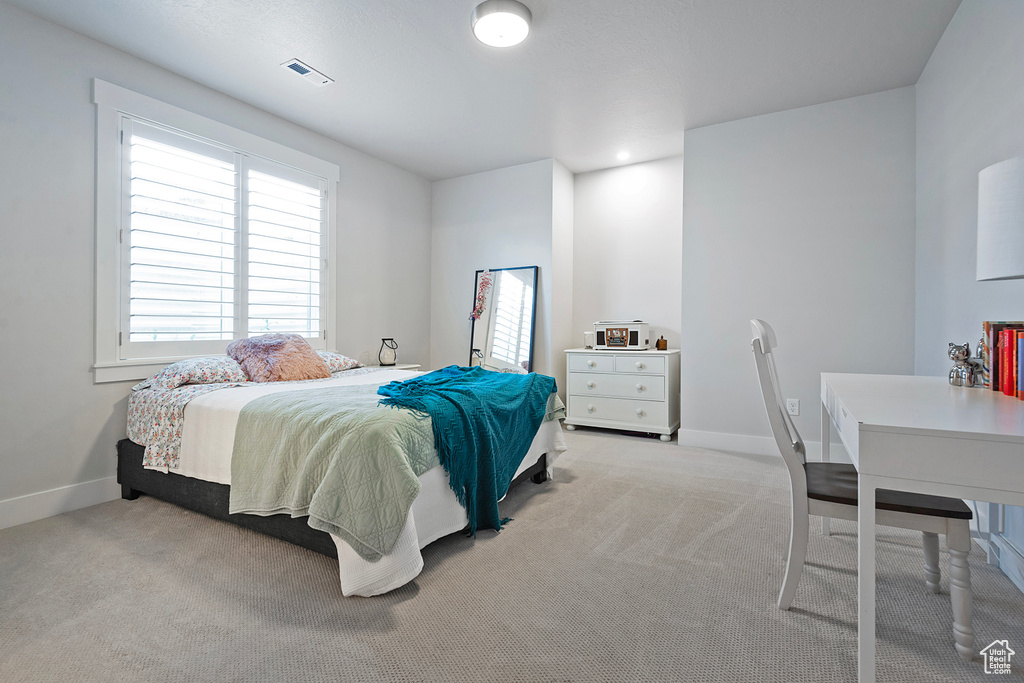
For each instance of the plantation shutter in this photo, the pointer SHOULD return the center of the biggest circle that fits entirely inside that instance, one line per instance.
(216, 245)
(285, 250)
(183, 224)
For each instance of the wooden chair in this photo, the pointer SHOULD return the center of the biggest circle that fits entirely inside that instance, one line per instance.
(830, 490)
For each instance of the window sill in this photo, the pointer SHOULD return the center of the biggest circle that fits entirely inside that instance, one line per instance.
(129, 371)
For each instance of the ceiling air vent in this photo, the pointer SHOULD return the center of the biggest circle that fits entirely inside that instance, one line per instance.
(307, 72)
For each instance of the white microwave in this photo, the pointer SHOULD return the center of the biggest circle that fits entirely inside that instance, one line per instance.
(622, 335)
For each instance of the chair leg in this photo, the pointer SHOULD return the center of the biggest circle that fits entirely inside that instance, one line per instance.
(800, 524)
(958, 539)
(932, 574)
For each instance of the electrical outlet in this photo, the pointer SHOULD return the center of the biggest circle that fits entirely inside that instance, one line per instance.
(793, 406)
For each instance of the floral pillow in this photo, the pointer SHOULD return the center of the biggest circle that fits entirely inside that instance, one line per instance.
(337, 362)
(205, 370)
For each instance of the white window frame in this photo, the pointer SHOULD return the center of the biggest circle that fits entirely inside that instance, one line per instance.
(113, 103)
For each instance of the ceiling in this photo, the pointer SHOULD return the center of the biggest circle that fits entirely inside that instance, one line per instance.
(415, 88)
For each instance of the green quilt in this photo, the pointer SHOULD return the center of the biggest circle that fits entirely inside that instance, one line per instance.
(336, 456)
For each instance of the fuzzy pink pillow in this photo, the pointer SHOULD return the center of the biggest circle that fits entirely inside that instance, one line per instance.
(278, 358)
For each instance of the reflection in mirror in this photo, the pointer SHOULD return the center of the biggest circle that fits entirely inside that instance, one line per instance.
(504, 307)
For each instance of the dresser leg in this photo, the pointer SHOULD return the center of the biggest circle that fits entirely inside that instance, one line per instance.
(665, 437)
(570, 428)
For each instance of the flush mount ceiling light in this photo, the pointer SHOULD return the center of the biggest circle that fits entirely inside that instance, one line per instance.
(622, 156)
(501, 23)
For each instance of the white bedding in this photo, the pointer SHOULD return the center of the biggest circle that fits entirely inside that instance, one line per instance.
(208, 435)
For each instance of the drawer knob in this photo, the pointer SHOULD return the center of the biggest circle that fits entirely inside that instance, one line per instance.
(639, 412)
(639, 365)
(591, 363)
(640, 387)
(590, 385)
(590, 408)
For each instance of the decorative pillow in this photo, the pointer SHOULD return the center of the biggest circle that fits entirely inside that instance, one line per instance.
(205, 370)
(337, 362)
(278, 358)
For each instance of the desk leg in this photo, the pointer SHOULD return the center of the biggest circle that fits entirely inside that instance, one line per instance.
(826, 445)
(866, 579)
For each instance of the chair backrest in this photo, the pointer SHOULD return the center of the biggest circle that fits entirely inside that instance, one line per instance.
(786, 436)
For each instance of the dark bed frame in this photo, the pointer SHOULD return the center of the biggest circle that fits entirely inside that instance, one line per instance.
(211, 499)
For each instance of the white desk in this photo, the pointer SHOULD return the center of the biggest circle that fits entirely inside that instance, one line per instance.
(919, 434)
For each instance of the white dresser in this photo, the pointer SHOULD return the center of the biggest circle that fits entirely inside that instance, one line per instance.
(629, 390)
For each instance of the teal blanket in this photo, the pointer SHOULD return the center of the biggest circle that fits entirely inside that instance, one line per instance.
(483, 425)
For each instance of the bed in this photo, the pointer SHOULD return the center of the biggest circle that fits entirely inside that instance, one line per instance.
(202, 476)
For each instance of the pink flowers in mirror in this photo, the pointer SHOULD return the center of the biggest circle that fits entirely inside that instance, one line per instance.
(481, 295)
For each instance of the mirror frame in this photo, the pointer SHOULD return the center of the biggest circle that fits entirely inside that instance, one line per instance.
(533, 319)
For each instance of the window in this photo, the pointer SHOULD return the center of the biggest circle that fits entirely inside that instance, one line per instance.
(284, 255)
(178, 242)
(187, 289)
(213, 240)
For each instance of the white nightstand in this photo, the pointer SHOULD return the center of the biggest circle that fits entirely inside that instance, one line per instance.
(629, 390)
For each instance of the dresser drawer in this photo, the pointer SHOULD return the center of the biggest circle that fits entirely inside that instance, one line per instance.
(654, 365)
(623, 386)
(629, 412)
(591, 362)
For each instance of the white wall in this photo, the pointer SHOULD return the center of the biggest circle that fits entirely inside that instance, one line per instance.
(628, 241)
(495, 219)
(970, 100)
(804, 218)
(59, 428)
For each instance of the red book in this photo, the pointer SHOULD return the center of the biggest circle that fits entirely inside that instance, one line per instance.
(1004, 360)
(1001, 355)
(997, 359)
(993, 337)
(1020, 359)
(1012, 355)
(1006, 372)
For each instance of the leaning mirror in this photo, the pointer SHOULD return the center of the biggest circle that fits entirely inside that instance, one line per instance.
(504, 309)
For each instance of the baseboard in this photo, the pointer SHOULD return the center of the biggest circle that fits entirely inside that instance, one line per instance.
(1011, 562)
(756, 445)
(23, 509)
(718, 441)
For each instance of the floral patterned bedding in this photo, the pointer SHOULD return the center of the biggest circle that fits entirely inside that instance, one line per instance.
(156, 415)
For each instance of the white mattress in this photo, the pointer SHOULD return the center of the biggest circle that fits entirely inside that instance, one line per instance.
(208, 435)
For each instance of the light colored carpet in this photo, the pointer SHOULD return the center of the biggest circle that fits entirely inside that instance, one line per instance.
(640, 561)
